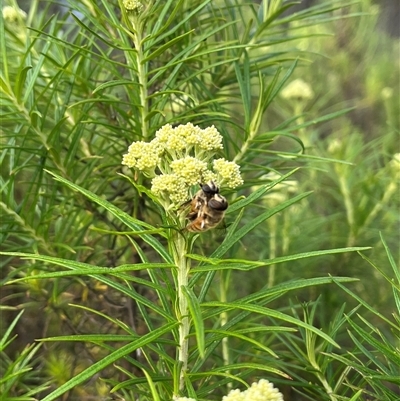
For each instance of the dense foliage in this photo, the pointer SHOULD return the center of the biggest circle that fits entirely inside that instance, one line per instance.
(300, 288)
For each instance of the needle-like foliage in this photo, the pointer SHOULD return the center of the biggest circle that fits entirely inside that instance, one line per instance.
(128, 303)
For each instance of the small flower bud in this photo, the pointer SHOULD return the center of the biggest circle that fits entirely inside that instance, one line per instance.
(132, 5)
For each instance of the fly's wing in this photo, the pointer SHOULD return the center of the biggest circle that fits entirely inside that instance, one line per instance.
(196, 205)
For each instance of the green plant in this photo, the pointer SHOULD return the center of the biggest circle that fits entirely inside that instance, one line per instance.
(19, 381)
(76, 90)
(376, 357)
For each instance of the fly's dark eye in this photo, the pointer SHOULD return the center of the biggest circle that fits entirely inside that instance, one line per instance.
(221, 204)
(211, 189)
(206, 189)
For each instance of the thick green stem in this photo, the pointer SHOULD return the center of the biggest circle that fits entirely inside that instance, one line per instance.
(141, 67)
(272, 249)
(183, 265)
(344, 189)
(224, 320)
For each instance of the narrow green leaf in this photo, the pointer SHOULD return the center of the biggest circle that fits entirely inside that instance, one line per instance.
(195, 314)
(224, 306)
(165, 46)
(80, 268)
(389, 378)
(275, 87)
(264, 295)
(230, 378)
(4, 57)
(36, 119)
(7, 332)
(153, 388)
(291, 155)
(20, 82)
(236, 334)
(236, 366)
(274, 16)
(246, 265)
(161, 24)
(111, 84)
(356, 396)
(4, 87)
(390, 352)
(37, 71)
(95, 338)
(175, 24)
(391, 259)
(326, 117)
(244, 81)
(389, 279)
(368, 353)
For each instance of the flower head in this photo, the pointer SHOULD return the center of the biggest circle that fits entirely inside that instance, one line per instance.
(170, 186)
(234, 395)
(170, 138)
(13, 15)
(298, 90)
(143, 156)
(387, 93)
(15, 18)
(189, 168)
(229, 172)
(335, 146)
(262, 390)
(395, 165)
(179, 158)
(211, 139)
(132, 5)
(189, 137)
(183, 399)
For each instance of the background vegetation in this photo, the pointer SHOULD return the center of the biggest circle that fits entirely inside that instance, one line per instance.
(79, 84)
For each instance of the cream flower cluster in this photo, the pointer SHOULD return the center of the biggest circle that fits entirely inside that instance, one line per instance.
(189, 138)
(298, 90)
(179, 158)
(13, 15)
(143, 156)
(184, 399)
(229, 172)
(395, 165)
(262, 390)
(132, 5)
